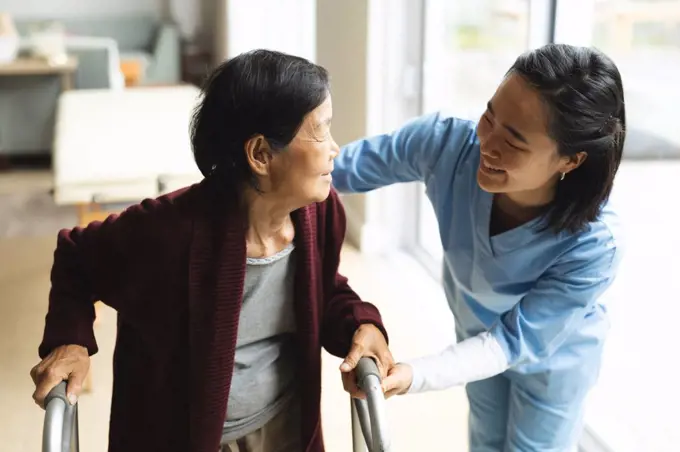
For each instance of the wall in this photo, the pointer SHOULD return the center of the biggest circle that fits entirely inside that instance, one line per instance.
(78, 8)
(239, 26)
(371, 63)
(341, 47)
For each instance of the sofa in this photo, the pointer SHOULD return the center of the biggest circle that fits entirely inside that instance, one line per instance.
(154, 44)
(28, 104)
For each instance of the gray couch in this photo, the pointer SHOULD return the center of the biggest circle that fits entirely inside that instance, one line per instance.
(155, 44)
(28, 103)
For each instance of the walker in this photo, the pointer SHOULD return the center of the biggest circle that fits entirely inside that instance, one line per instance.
(369, 420)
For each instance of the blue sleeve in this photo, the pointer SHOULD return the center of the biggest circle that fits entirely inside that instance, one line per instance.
(557, 305)
(407, 154)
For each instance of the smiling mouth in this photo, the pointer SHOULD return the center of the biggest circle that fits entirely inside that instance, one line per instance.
(491, 168)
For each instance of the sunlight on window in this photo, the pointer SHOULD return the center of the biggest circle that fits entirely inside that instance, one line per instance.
(469, 45)
(643, 37)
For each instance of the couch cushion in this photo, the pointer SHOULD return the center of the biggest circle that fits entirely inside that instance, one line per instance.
(114, 146)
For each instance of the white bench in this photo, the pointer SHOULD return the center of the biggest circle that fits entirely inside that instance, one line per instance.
(121, 146)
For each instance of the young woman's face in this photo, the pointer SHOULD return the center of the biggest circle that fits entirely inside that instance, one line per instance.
(517, 155)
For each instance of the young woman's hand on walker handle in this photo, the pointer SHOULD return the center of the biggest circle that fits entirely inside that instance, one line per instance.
(66, 362)
(398, 380)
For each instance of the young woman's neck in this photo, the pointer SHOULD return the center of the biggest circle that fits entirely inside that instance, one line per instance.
(524, 206)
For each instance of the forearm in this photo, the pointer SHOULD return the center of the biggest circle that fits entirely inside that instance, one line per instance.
(407, 154)
(372, 163)
(473, 359)
(71, 312)
(346, 312)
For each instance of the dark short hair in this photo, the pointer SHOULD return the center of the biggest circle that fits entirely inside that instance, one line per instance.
(258, 92)
(583, 92)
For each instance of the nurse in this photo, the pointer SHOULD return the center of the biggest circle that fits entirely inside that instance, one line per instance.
(530, 241)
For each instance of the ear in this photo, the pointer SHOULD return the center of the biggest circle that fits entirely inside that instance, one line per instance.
(258, 154)
(573, 162)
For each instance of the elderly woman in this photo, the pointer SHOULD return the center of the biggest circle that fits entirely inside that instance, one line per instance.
(226, 290)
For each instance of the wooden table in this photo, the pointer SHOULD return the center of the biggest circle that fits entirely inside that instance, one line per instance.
(37, 66)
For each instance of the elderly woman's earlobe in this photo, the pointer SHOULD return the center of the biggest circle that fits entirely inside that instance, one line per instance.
(258, 155)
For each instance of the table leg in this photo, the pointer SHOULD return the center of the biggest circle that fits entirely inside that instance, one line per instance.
(67, 81)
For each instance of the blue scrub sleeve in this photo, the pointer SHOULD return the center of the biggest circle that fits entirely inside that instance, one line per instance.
(407, 154)
(556, 306)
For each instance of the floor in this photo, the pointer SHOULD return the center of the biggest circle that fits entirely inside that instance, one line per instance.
(432, 422)
(633, 408)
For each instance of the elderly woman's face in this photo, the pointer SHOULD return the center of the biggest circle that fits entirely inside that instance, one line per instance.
(302, 172)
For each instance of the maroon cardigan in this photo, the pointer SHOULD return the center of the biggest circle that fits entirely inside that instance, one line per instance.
(174, 268)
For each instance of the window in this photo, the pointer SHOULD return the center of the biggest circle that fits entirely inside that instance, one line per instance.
(631, 406)
(643, 38)
(468, 47)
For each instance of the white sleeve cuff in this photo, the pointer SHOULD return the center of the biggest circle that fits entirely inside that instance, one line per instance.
(473, 359)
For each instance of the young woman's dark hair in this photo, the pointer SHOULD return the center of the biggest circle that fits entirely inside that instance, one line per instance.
(258, 92)
(583, 92)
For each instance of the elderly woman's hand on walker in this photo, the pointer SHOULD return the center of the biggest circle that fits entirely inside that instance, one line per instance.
(368, 341)
(65, 363)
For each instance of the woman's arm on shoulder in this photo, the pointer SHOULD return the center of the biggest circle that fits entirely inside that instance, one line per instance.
(344, 310)
(94, 263)
(407, 154)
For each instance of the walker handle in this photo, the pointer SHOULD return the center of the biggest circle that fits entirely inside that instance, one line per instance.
(60, 429)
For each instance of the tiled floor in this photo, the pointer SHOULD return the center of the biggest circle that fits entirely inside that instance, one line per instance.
(413, 307)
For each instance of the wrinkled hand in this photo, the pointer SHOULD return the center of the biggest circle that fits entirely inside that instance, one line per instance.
(398, 380)
(67, 362)
(368, 342)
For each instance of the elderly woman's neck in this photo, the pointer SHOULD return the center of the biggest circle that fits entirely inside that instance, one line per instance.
(270, 227)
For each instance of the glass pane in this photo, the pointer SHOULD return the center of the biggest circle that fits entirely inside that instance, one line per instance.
(633, 406)
(469, 45)
(643, 38)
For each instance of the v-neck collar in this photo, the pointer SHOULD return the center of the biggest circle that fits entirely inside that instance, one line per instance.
(507, 241)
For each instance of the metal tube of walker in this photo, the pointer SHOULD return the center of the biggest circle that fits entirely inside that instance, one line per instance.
(370, 413)
(60, 428)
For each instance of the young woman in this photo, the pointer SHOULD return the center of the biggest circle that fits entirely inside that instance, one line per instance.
(529, 238)
(226, 290)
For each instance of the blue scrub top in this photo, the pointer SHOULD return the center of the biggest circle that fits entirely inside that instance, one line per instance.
(536, 292)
